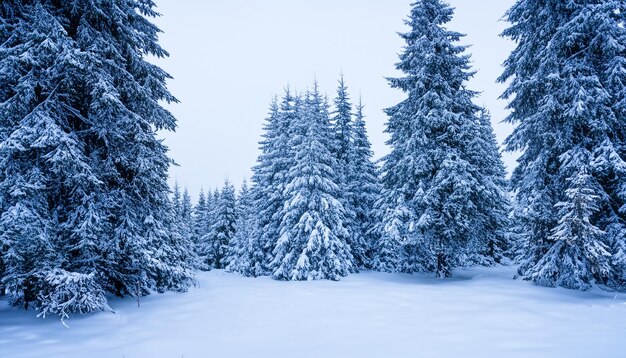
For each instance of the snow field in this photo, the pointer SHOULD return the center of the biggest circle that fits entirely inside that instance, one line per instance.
(480, 312)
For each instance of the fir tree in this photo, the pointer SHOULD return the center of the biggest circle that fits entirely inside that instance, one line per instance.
(432, 180)
(567, 99)
(241, 248)
(82, 169)
(214, 245)
(362, 190)
(185, 217)
(177, 200)
(342, 123)
(578, 254)
(205, 219)
(182, 221)
(270, 178)
(186, 208)
(199, 217)
(491, 240)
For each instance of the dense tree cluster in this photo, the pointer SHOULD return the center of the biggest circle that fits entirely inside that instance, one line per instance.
(308, 212)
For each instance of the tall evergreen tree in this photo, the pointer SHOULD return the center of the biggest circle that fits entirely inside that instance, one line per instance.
(242, 248)
(82, 173)
(343, 127)
(199, 217)
(313, 237)
(186, 207)
(432, 181)
(214, 245)
(492, 240)
(182, 220)
(343, 148)
(362, 190)
(176, 199)
(270, 178)
(567, 96)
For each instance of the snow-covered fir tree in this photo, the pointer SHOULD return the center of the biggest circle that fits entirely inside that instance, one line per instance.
(241, 248)
(578, 254)
(186, 216)
(34, 148)
(182, 219)
(213, 247)
(202, 221)
(270, 178)
(313, 241)
(342, 125)
(354, 174)
(186, 207)
(176, 199)
(199, 217)
(83, 174)
(568, 99)
(433, 184)
(361, 191)
(492, 240)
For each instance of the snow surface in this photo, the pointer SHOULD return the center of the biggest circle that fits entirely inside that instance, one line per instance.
(480, 312)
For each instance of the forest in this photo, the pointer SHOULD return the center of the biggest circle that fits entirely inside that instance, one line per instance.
(87, 215)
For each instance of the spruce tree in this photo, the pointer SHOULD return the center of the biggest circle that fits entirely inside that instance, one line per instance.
(578, 253)
(177, 199)
(568, 100)
(362, 190)
(82, 172)
(182, 220)
(270, 179)
(432, 180)
(213, 251)
(342, 149)
(241, 248)
(342, 123)
(186, 208)
(491, 241)
(199, 217)
(313, 237)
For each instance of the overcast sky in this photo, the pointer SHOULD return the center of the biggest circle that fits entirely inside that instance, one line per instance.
(229, 57)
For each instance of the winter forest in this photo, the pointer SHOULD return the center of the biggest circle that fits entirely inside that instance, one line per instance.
(89, 219)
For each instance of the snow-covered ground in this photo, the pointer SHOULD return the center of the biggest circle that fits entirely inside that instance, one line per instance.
(481, 312)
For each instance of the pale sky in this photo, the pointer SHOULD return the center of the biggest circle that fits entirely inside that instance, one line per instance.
(229, 57)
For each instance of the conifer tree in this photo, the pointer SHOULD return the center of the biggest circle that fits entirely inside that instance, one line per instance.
(182, 220)
(199, 217)
(270, 179)
(342, 123)
(186, 208)
(578, 253)
(213, 251)
(82, 172)
(432, 180)
(567, 97)
(491, 240)
(362, 190)
(241, 248)
(176, 199)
